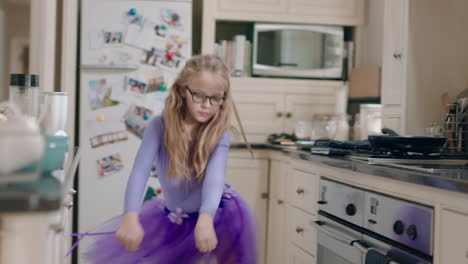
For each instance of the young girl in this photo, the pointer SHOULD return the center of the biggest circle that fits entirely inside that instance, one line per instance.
(201, 219)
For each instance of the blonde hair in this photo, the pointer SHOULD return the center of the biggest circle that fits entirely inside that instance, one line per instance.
(182, 162)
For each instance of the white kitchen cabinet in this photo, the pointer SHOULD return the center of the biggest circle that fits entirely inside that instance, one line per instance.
(276, 236)
(303, 107)
(263, 6)
(299, 256)
(269, 105)
(261, 114)
(250, 178)
(394, 68)
(302, 190)
(453, 240)
(338, 12)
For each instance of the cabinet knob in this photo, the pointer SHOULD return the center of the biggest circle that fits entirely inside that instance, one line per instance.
(280, 202)
(68, 204)
(299, 191)
(279, 114)
(288, 115)
(397, 55)
(264, 195)
(299, 230)
(58, 228)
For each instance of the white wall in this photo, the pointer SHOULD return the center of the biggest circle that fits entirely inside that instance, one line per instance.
(438, 62)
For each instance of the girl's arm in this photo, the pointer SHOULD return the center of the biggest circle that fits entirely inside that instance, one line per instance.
(142, 166)
(213, 184)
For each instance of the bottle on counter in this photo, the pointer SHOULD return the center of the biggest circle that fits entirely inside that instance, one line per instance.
(25, 93)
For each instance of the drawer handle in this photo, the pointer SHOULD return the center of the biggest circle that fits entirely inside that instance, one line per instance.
(300, 191)
(68, 204)
(397, 55)
(299, 230)
(280, 202)
(57, 228)
(322, 202)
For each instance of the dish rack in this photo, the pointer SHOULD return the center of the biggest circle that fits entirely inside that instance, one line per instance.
(455, 128)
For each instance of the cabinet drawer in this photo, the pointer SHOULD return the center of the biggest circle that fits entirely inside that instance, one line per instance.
(302, 190)
(299, 256)
(300, 230)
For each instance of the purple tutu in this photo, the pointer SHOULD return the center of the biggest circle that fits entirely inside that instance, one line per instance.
(169, 236)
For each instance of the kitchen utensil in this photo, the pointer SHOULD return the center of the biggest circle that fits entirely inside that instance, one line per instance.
(392, 142)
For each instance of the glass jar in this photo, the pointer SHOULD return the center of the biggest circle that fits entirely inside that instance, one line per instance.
(25, 93)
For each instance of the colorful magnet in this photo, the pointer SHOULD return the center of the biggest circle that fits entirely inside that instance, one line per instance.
(100, 118)
(163, 87)
(132, 12)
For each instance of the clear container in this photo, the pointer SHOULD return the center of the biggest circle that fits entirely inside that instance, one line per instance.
(323, 127)
(25, 93)
(370, 120)
(342, 127)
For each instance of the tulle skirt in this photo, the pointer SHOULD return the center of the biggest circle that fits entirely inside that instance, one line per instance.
(169, 236)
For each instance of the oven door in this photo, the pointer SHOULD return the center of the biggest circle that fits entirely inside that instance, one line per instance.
(335, 243)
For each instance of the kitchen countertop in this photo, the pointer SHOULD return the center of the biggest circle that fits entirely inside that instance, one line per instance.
(441, 181)
(45, 194)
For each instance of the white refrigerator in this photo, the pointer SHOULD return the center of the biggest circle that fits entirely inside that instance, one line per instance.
(130, 53)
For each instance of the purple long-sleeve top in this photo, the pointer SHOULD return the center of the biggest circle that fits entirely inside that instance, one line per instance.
(195, 196)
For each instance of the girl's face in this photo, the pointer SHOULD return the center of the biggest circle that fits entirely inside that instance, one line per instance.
(199, 107)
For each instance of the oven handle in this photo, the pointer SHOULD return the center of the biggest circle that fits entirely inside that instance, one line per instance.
(358, 244)
(319, 226)
(354, 243)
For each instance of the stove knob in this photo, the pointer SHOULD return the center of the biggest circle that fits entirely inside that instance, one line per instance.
(351, 209)
(412, 232)
(399, 227)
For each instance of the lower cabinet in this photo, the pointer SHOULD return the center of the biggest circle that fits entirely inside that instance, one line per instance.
(299, 256)
(250, 178)
(293, 196)
(453, 242)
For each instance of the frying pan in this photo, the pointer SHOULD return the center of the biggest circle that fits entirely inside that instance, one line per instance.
(402, 144)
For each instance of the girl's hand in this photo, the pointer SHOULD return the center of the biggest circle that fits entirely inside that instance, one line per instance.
(205, 235)
(130, 233)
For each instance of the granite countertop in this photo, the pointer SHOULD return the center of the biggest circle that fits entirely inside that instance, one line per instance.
(45, 194)
(457, 182)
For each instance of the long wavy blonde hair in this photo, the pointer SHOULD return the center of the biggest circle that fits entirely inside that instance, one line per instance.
(184, 163)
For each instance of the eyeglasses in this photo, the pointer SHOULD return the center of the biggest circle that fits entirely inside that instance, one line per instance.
(201, 98)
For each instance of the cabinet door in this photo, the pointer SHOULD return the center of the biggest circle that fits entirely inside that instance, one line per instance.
(303, 107)
(260, 113)
(250, 178)
(263, 6)
(298, 256)
(453, 240)
(346, 9)
(276, 237)
(395, 39)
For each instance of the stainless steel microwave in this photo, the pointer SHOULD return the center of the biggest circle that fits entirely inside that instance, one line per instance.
(305, 51)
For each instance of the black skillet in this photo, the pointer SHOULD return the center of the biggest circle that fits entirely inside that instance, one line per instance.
(394, 143)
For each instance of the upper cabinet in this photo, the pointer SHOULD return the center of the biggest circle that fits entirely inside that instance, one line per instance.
(339, 12)
(263, 6)
(330, 12)
(395, 42)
